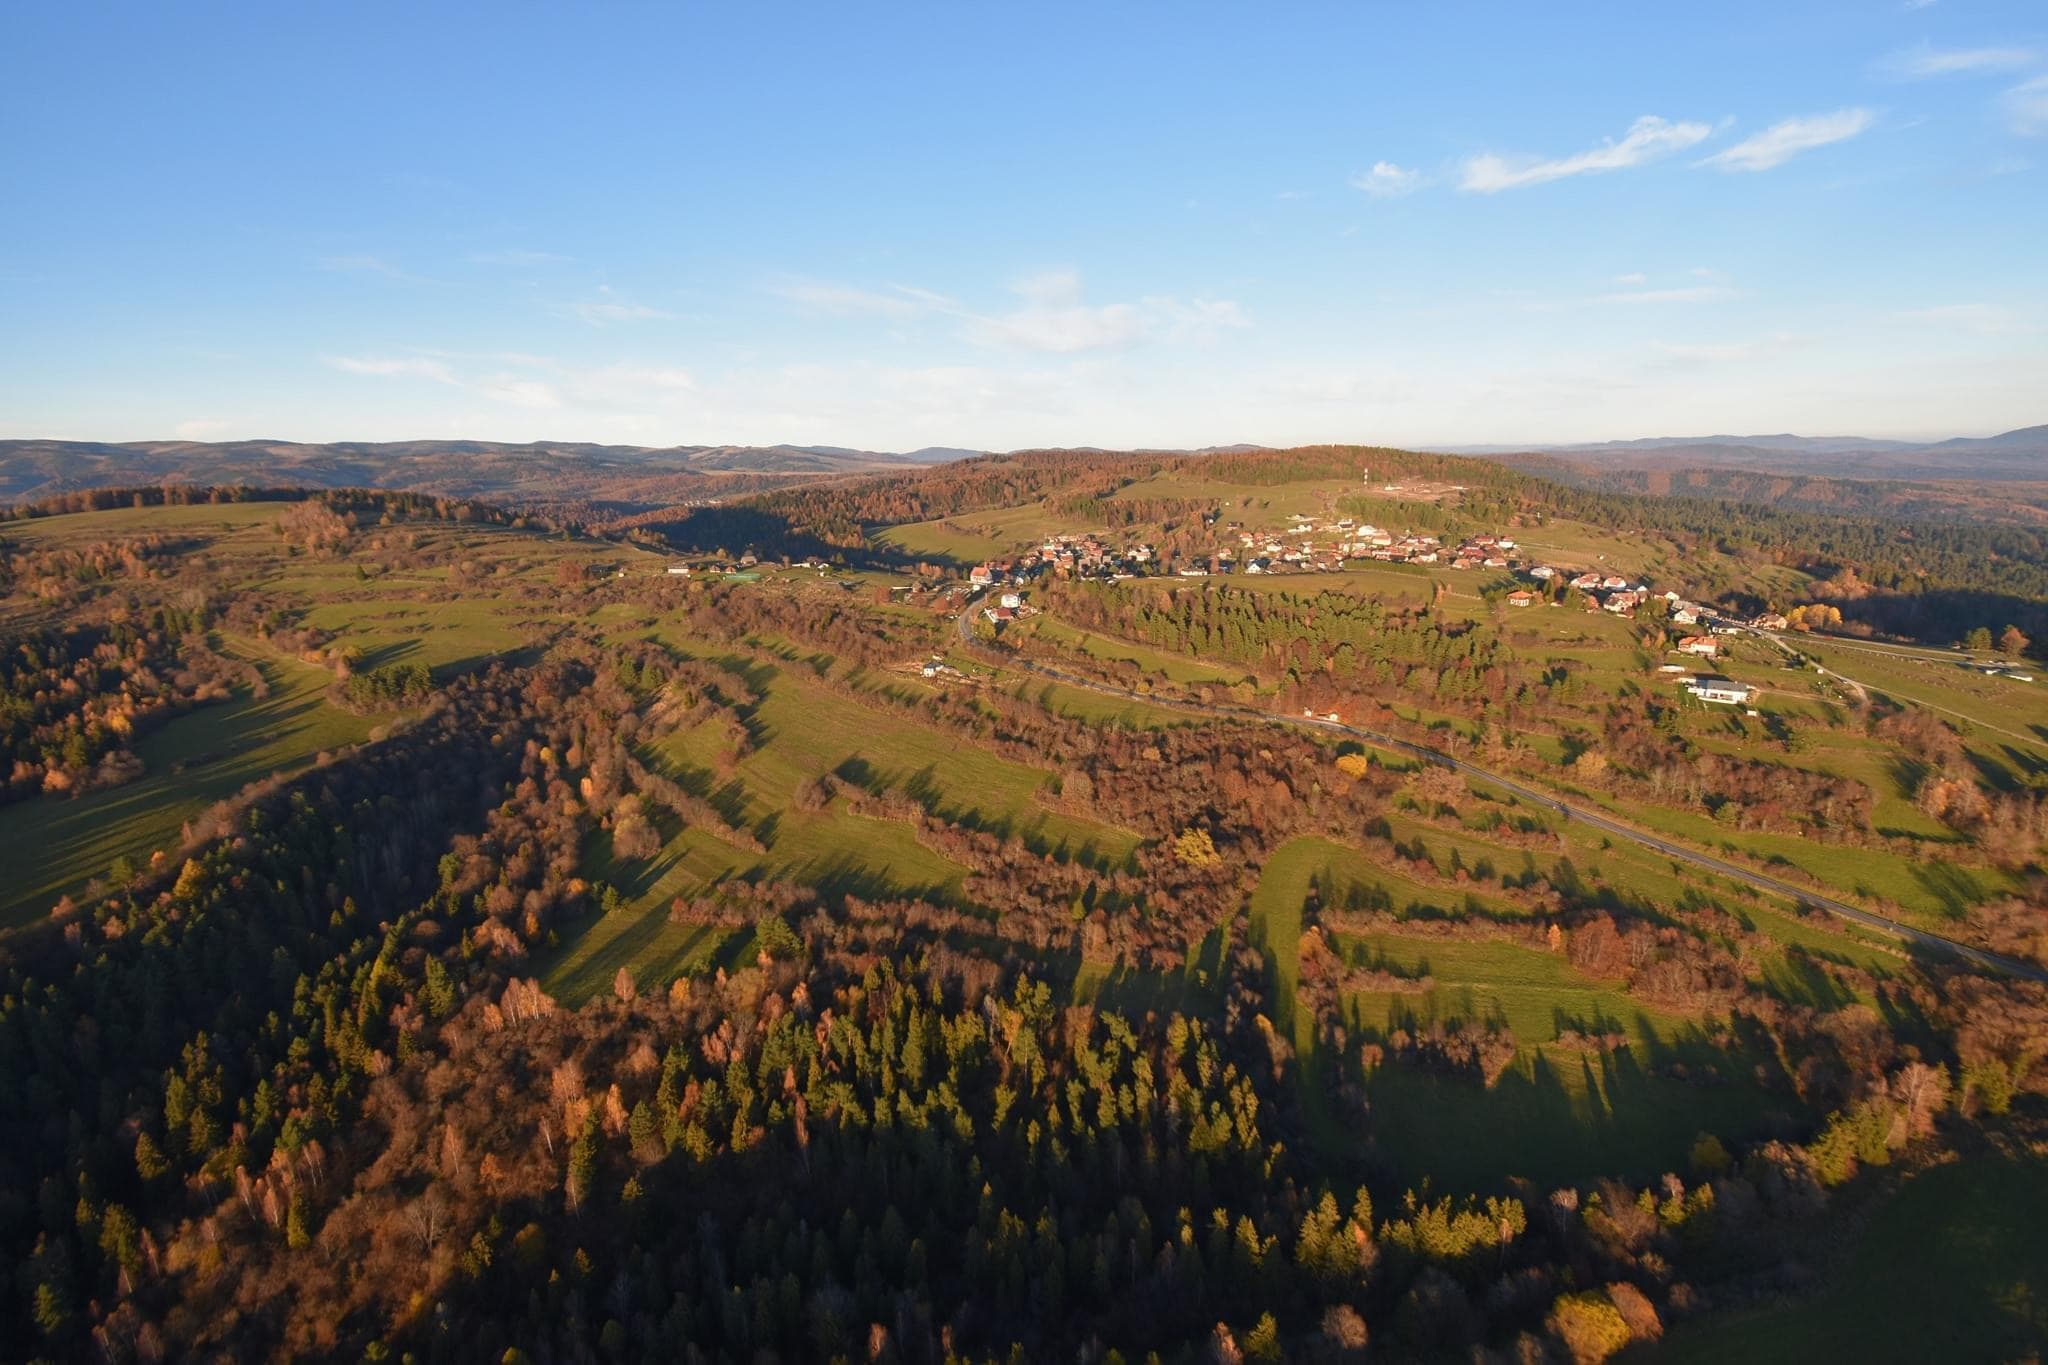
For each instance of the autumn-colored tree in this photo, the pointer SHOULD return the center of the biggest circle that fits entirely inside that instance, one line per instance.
(1196, 848)
(1590, 1327)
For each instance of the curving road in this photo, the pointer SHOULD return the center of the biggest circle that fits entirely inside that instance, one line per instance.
(1592, 818)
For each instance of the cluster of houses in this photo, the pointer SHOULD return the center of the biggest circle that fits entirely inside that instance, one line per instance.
(1308, 544)
(1323, 544)
(1065, 556)
(725, 566)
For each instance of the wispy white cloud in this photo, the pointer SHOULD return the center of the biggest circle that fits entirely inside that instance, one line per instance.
(637, 378)
(1925, 63)
(1054, 319)
(1387, 180)
(898, 301)
(1052, 315)
(534, 382)
(515, 391)
(1705, 353)
(410, 367)
(1647, 139)
(609, 307)
(1982, 319)
(2026, 107)
(1782, 141)
(1694, 293)
(1634, 277)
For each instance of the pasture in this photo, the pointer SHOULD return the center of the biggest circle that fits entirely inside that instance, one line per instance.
(203, 756)
(1946, 1267)
(803, 729)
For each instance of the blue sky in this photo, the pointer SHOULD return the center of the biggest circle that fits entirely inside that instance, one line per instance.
(1000, 226)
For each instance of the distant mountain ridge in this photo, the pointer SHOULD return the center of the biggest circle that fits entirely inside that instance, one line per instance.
(2021, 454)
(536, 470)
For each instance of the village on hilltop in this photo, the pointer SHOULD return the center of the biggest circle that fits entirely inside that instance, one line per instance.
(1311, 545)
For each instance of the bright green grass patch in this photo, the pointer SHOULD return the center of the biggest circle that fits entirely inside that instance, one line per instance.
(208, 520)
(445, 636)
(2004, 720)
(1556, 1115)
(1180, 668)
(1928, 892)
(1537, 994)
(832, 850)
(970, 537)
(1345, 878)
(1572, 1117)
(1576, 544)
(1285, 882)
(1949, 1268)
(802, 729)
(56, 844)
(1082, 704)
(1636, 879)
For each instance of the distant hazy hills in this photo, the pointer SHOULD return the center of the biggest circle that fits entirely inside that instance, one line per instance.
(1939, 479)
(540, 471)
(2020, 455)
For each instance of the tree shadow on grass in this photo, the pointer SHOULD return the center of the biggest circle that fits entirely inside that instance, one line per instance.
(1566, 1116)
(1798, 979)
(1953, 887)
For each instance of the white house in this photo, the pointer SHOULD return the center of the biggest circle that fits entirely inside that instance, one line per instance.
(1720, 690)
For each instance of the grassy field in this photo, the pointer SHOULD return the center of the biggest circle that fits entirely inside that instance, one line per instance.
(1083, 704)
(1573, 1114)
(971, 537)
(447, 637)
(1949, 1268)
(208, 521)
(832, 849)
(202, 757)
(801, 730)
(1927, 892)
(1180, 668)
(2005, 721)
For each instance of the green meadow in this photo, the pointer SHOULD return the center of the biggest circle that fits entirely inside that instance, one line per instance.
(203, 756)
(802, 729)
(1947, 1267)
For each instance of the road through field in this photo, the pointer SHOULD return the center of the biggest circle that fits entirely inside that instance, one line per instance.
(1595, 819)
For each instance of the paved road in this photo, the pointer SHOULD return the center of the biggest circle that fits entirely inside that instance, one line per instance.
(1594, 819)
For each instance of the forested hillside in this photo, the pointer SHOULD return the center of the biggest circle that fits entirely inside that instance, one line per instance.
(772, 931)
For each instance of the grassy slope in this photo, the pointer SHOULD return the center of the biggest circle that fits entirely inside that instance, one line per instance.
(202, 757)
(1180, 668)
(1948, 1269)
(803, 730)
(1573, 1116)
